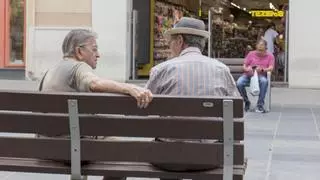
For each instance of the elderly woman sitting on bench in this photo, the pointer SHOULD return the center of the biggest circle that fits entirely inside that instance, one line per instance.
(263, 62)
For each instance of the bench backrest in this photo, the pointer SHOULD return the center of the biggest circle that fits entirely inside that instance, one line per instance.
(117, 115)
(235, 65)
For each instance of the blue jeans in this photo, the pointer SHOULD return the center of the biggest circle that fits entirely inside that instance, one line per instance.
(244, 81)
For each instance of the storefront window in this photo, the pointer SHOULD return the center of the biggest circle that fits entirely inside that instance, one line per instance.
(16, 33)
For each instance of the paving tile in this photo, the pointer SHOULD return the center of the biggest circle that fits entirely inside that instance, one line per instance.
(257, 150)
(282, 170)
(295, 147)
(297, 126)
(4, 175)
(256, 170)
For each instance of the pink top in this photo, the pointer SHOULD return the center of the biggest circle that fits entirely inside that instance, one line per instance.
(254, 59)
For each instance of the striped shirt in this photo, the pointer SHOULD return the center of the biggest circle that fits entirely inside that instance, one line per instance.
(192, 74)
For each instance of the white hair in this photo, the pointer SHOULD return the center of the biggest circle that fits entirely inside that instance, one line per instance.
(74, 39)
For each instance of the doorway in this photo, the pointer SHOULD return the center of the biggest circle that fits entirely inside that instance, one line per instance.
(237, 26)
(12, 34)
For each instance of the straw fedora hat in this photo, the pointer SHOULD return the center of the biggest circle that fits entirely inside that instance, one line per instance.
(188, 25)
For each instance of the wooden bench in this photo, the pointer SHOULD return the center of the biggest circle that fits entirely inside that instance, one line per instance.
(116, 115)
(236, 68)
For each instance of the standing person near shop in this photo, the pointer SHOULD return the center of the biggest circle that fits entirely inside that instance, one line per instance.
(178, 14)
(190, 73)
(263, 62)
(271, 36)
(75, 72)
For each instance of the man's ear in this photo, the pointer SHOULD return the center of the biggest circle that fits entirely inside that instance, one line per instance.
(180, 40)
(78, 53)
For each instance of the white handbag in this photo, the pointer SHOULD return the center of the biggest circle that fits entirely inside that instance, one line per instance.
(254, 84)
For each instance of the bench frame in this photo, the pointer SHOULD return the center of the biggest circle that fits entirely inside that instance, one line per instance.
(76, 143)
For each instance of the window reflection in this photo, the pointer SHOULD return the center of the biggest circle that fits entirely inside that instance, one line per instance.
(16, 32)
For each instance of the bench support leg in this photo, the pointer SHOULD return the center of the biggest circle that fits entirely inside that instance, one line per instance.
(228, 139)
(268, 95)
(75, 140)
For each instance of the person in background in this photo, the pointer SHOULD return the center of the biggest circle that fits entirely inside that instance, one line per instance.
(178, 14)
(271, 36)
(263, 62)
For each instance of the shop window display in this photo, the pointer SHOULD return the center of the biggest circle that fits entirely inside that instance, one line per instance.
(166, 15)
(230, 39)
(16, 36)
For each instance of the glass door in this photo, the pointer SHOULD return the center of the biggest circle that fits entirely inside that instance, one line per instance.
(12, 30)
(16, 33)
(141, 51)
(2, 32)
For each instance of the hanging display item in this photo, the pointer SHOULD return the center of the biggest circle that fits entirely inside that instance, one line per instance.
(166, 15)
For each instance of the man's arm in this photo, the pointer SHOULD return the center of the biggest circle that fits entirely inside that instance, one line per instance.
(232, 89)
(247, 63)
(87, 81)
(276, 37)
(271, 64)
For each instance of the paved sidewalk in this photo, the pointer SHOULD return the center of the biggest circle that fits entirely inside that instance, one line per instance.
(281, 145)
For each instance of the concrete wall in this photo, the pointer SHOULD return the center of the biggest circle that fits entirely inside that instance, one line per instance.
(110, 21)
(304, 56)
(48, 22)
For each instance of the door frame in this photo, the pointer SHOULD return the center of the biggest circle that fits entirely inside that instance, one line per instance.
(5, 35)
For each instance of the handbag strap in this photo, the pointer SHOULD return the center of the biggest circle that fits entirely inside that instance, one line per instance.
(42, 80)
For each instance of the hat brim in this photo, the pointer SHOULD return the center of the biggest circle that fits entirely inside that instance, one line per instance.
(183, 30)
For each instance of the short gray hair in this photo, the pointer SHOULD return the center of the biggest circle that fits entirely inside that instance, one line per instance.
(194, 41)
(74, 39)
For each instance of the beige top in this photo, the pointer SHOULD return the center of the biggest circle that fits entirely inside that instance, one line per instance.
(69, 75)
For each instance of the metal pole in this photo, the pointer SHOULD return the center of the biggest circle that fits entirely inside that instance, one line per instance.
(286, 58)
(200, 8)
(210, 38)
(75, 139)
(228, 136)
(134, 41)
(129, 40)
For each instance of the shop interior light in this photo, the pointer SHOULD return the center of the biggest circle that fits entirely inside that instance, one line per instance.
(271, 6)
(235, 5)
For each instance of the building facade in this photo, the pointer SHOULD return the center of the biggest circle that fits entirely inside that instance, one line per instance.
(32, 32)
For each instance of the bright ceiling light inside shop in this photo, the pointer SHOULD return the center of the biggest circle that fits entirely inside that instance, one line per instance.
(235, 5)
(271, 6)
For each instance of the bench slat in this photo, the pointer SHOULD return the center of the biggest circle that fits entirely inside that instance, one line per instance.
(236, 69)
(111, 169)
(92, 103)
(139, 151)
(127, 126)
(232, 61)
